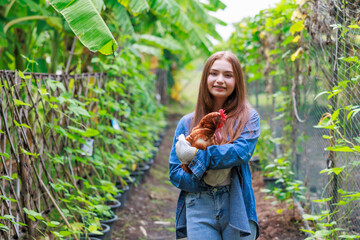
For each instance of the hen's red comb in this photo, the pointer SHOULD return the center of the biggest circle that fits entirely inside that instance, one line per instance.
(222, 114)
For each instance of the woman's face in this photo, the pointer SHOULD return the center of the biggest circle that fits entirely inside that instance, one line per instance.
(221, 80)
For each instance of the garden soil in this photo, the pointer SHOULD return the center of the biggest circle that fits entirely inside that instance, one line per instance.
(149, 211)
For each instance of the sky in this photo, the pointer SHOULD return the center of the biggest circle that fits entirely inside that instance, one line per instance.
(238, 9)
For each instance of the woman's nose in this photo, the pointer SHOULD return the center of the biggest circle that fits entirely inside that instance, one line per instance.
(220, 79)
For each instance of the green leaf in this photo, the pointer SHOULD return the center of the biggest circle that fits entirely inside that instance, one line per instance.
(6, 177)
(90, 132)
(297, 27)
(77, 110)
(323, 200)
(287, 40)
(53, 84)
(162, 42)
(8, 199)
(336, 170)
(21, 125)
(33, 215)
(350, 59)
(308, 231)
(122, 18)
(5, 154)
(87, 24)
(357, 148)
(43, 91)
(65, 233)
(311, 217)
(4, 227)
(52, 223)
(339, 149)
(93, 229)
(341, 203)
(135, 7)
(350, 236)
(353, 26)
(149, 50)
(6, 216)
(327, 137)
(99, 5)
(355, 195)
(21, 103)
(29, 153)
(55, 22)
(21, 74)
(335, 114)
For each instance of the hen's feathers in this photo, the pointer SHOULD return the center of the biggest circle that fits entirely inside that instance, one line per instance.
(201, 138)
(203, 135)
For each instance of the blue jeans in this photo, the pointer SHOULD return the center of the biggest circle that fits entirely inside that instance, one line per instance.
(207, 216)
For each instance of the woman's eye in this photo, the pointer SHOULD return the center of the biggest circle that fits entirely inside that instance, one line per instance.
(228, 75)
(213, 74)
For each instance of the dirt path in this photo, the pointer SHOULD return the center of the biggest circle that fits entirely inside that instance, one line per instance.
(149, 211)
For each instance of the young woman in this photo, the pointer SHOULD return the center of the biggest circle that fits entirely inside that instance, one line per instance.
(216, 200)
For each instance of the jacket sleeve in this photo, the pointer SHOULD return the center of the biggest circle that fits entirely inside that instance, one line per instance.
(231, 154)
(179, 178)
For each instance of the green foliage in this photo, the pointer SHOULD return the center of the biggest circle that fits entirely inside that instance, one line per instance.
(82, 119)
(150, 28)
(276, 51)
(85, 21)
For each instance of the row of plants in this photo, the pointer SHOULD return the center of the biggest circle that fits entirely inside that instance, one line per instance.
(304, 58)
(85, 138)
(70, 143)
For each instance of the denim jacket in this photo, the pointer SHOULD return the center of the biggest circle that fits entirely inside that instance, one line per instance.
(234, 155)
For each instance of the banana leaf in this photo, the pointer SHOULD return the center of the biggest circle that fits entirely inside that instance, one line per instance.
(87, 24)
(148, 50)
(135, 7)
(122, 18)
(166, 42)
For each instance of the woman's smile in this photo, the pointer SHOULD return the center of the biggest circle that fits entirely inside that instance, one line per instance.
(218, 88)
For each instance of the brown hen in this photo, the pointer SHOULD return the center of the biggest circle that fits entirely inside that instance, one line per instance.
(206, 133)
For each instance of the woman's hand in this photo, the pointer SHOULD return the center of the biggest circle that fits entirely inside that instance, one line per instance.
(184, 150)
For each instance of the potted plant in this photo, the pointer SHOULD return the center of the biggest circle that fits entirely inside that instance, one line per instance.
(137, 175)
(113, 204)
(109, 220)
(124, 190)
(276, 173)
(102, 234)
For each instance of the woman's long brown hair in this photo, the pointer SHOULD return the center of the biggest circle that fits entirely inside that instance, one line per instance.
(236, 105)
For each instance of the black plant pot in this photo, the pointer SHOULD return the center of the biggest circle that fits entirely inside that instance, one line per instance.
(110, 222)
(124, 193)
(150, 161)
(271, 183)
(154, 152)
(114, 205)
(118, 196)
(105, 230)
(138, 175)
(157, 143)
(130, 180)
(145, 168)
